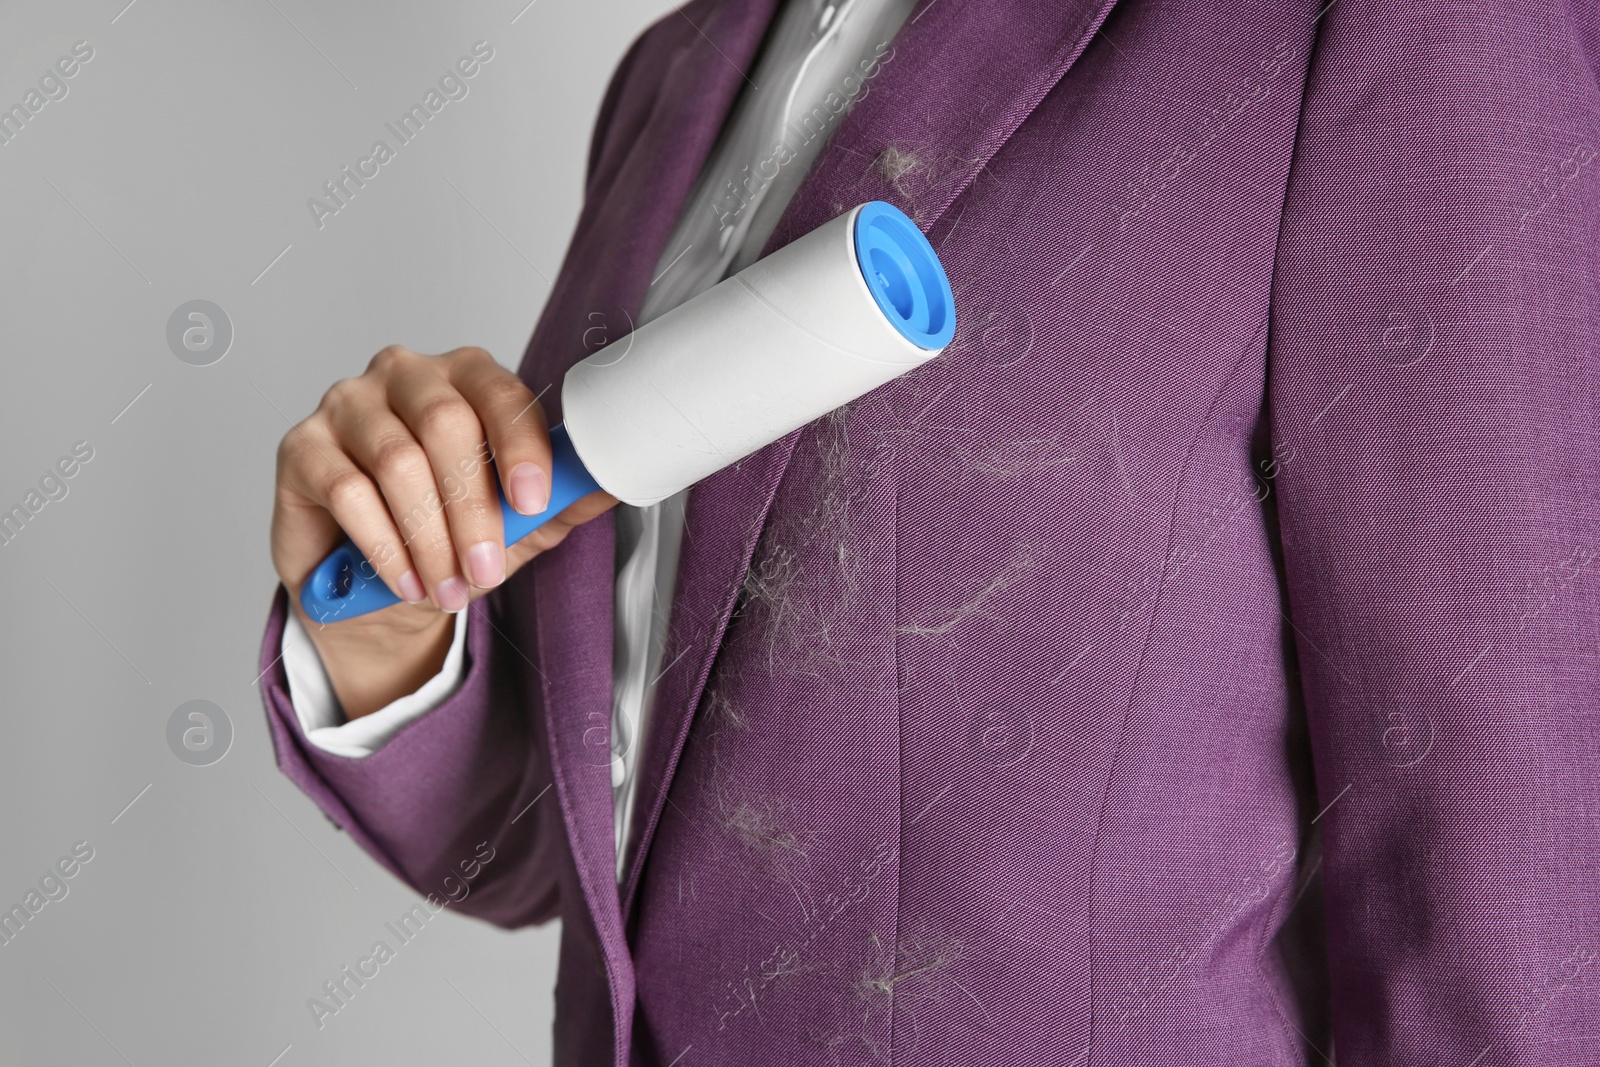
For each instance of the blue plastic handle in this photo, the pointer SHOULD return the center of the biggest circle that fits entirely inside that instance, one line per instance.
(345, 585)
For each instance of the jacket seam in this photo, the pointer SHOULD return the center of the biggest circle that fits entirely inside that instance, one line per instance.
(1144, 655)
(900, 756)
(1264, 416)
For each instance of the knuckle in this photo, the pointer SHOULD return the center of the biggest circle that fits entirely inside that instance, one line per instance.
(399, 458)
(344, 398)
(296, 448)
(508, 394)
(290, 448)
(345, 489)
(416, 522)
(473, 513)
(388, 359)
(455, 485)
(340, 392)
(447, 416)
(549, 536)
(470, 354)
(384, 555)
(435, 547)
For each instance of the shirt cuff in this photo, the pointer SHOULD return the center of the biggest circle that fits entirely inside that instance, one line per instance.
(322, 719)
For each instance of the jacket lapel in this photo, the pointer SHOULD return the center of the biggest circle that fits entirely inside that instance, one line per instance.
(959, 80)
(660, 119)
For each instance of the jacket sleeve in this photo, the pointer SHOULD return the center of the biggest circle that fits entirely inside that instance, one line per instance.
(470, 778)
(317, 709)
(1434, 404)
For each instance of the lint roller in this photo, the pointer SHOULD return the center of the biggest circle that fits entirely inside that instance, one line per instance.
(827, 318)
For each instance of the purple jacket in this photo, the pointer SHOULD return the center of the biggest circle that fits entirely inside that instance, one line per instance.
(1198, 664)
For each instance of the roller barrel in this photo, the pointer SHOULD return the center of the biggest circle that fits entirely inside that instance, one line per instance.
(816, 324)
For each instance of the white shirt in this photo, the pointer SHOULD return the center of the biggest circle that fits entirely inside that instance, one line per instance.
(818, 58)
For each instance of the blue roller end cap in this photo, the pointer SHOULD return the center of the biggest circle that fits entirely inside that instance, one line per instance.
(904, 274)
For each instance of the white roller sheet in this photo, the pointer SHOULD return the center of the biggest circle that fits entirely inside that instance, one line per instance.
(787, 340)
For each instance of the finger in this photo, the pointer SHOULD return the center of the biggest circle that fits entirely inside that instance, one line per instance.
(452, 438)
(588, 507)
(384, 447)
(515, 426)
(316, 470)
(555, 531)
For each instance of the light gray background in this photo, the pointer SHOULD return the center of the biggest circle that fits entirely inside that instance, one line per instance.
(177, 168)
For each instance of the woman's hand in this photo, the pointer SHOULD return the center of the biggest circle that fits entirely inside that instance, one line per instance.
(398, 460)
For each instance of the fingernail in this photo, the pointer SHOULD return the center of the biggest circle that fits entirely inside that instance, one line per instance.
(487, 562)
(411, 588)
(451, 595)
(528, 493)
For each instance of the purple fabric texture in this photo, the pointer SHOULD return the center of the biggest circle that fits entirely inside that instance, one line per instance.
(1199, 663)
